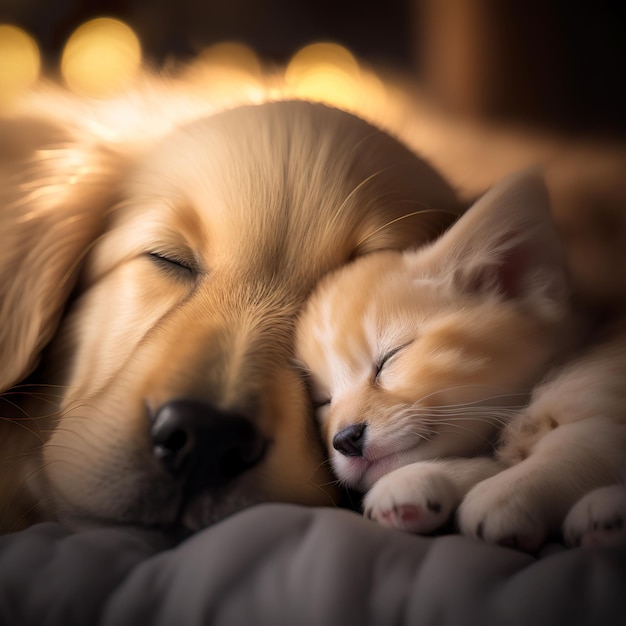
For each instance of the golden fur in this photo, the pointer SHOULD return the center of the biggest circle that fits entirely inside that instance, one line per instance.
(174, 269)
(422, 361)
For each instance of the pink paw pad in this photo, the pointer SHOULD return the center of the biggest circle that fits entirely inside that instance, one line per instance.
(403, 517)
(409, 512)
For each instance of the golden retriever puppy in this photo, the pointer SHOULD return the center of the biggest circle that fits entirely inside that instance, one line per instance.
(148, 301)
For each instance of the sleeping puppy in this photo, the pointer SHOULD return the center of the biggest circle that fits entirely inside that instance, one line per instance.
(148, 301)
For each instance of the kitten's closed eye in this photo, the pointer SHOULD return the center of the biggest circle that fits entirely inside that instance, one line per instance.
(378, 368)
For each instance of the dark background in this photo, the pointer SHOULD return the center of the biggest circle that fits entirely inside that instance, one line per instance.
(555, 63)
(274, 28)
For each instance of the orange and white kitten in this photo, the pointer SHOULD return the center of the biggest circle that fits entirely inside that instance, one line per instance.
(456, 376)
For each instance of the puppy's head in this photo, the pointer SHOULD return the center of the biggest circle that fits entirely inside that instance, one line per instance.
(178, 402)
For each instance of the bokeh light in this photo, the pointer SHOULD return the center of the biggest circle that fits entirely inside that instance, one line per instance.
(326, 72)
(19, 62)
(101, 58)
(131, 103)
(228, 69)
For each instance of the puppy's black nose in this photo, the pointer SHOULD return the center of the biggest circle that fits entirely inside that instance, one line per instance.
(204, 447)
(350, 440)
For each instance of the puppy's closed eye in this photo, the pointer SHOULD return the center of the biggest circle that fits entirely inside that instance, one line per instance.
(175, 265)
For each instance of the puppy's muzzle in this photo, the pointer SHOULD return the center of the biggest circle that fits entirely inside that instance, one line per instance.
(202, 447)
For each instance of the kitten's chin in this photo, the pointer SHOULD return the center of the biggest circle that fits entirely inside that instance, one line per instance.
(377, 470)
(360, 473)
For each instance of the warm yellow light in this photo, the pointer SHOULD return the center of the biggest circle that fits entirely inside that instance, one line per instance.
(227, 69)
(233, 57)
(326, 72)
(101, 57)
(321, 55)
(19, 61)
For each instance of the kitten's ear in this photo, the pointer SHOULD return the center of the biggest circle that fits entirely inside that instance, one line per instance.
(507, 242)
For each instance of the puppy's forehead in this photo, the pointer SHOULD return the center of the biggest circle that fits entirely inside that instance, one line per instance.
(252, 168)
(249, 185)
(280, 193)
(301, 170)
(255, 145)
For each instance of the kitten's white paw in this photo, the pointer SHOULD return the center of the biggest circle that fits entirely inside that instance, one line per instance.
(598, 518)
(499, 511)
(417, 498)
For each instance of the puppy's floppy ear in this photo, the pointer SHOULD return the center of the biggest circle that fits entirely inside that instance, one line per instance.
(51, 208)
(507, 243)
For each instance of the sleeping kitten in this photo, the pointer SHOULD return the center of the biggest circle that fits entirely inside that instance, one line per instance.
(456, 377)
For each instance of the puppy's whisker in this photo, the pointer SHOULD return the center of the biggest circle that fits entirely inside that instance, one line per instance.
(17, 407)
(67, 462)
(399, 219)
(320, 488)
(38, 385)
(42, 503)
(16, 494)
(356, 189)
(25, 425)
(44, 397)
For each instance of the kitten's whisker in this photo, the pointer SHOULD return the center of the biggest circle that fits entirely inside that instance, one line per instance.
(455, 420)
(480, 401)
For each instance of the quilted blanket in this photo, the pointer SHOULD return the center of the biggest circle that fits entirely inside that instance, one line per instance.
(279, 564)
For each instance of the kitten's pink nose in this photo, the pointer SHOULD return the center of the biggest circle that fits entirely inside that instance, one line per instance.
(350, 441)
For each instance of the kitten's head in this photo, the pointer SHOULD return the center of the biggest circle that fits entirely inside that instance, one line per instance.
(424, 354)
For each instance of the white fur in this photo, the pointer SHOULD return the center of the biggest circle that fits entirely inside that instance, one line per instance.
(598, 518)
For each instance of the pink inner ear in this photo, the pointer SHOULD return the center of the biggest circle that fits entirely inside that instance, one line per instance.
(513, 270)
(506, 273)
(507, 243)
